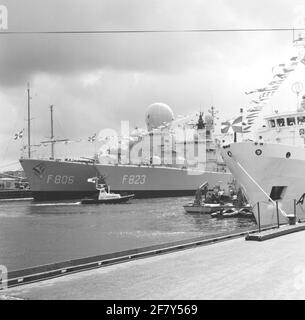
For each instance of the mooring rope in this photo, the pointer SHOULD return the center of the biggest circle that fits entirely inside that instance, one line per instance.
(264, 192)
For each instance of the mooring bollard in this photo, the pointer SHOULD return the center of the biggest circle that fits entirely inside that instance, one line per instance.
(259, 218)
(277, 214)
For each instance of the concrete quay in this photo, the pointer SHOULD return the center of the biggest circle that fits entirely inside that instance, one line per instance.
(233, 269)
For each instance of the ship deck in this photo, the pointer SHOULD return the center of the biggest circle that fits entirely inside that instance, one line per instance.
(233, 269)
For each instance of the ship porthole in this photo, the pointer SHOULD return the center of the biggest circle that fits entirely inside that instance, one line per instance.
(258, 152)
(288, 154)
(229, 153)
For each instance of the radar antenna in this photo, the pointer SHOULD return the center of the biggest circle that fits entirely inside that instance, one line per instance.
(213, 113)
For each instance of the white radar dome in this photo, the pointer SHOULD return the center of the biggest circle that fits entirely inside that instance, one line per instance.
(158, 114)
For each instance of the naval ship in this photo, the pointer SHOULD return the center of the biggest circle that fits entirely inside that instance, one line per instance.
(173, 166)
(270, 167)
(272, 171)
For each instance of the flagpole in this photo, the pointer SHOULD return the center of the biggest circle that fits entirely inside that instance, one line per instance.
(242, 121)
(235, 136)
(92, 140)
(94, 150)
(29, 122)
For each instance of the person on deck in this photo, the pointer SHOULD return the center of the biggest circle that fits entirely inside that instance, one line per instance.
(198, 197)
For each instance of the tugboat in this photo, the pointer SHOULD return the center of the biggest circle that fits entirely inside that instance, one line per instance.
(105, 196)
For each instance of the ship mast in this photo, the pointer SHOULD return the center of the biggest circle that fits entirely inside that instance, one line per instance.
(52, 141)
(29, 122)
(52, 133)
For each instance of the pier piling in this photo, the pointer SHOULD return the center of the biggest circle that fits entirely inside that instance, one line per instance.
(277, 214)
(259, 218)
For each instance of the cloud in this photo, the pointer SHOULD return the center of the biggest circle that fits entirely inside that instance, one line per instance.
(22, 56)
(94, 81)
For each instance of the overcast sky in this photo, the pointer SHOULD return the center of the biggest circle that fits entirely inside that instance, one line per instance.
(95, 81)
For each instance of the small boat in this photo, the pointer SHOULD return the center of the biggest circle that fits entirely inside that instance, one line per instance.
(199, 206)
(217, 214)
(121, 199)
(106, 197)
(245, 213)
(227, 213)
(230, 213)
(233, 213)
(203, 208)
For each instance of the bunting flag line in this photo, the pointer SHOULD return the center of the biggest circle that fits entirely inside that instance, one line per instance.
(277, 82)
(288, 70)
(260, 96)
(266, 89)
(254, 109)
(246, 128)
(92, 138)
(19, 135)
(280, 75)
(252, 116)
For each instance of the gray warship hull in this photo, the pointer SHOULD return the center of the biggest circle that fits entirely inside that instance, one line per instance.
(60, 180)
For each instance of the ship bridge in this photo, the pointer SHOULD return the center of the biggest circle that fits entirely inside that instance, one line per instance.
(286, 119)
(285, 128)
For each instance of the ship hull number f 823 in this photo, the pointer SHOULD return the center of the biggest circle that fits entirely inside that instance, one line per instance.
(134, 179)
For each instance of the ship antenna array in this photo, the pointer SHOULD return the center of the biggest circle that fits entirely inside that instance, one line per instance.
(300, 40)
(213, 113)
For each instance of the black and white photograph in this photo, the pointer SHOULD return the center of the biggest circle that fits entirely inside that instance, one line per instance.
(152, 151)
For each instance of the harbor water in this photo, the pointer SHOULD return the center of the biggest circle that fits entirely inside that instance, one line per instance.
(34, 233)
